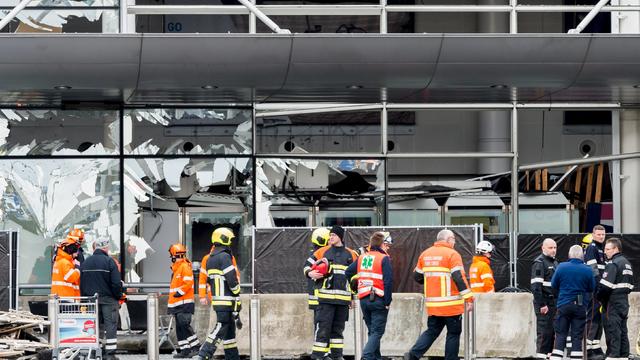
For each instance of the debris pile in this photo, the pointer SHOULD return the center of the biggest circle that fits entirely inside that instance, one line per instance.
(22, 334)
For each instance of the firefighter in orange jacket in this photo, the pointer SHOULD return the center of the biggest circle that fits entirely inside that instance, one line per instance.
(480, 273)
(65, 278)
(446, 290)
(181, 303)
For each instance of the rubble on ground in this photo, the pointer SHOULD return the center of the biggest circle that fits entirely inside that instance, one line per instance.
(22, 334)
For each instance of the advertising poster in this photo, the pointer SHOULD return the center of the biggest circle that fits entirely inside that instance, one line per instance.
(77, 331)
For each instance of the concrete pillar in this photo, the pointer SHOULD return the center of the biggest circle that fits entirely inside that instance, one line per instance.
(630, 171)
(494, 136)
(493, 22)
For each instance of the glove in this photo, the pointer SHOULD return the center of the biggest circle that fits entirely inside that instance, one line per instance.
(236, 316)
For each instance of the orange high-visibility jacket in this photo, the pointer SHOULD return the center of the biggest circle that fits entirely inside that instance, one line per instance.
(65, 278)
(481, 275)
(181, 283)
(445, 284)
(370, 274)
(203, 285)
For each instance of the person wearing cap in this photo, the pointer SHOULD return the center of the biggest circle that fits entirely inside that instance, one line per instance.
(480, 273)
(99, 274)
(334, 295)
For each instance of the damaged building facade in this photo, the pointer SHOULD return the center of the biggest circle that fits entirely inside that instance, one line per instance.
(153, 122)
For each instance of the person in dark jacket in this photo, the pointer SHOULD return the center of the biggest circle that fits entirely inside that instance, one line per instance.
(544, 300)
(613, 293)
(99, 274)
(375, 285)
(594, 257)
(334, 295)
(574, 283)
(224, 280)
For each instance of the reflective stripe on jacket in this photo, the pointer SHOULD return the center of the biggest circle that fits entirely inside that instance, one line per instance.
(223, 278)
(182, 284)
(65, 278)
(481, 275)
(370, 276)
(445, 284)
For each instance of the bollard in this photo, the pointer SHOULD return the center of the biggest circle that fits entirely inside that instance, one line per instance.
(466, 330)
(53, 321)
(254, 320)
(153, 352)
(358, 328)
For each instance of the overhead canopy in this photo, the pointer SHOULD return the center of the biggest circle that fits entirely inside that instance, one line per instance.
(363, 68)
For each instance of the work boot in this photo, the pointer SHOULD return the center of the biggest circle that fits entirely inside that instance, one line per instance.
(409, 356)
(184, 354)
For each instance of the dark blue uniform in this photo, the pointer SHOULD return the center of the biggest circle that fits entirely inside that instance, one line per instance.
(574, 283)
(594, 257)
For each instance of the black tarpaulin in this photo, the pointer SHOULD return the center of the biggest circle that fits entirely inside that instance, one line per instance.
(500, 259)
(280, 254)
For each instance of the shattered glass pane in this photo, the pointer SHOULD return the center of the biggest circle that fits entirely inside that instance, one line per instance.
(331, 132)
(154, 191)
(325, 183)
(64, 20)
(188, 131)
(58, 132)
(44, 199)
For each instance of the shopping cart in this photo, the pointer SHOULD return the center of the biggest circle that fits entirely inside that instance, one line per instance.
(74, 328)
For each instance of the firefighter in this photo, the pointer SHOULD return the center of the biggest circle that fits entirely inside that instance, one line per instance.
(574, 283)
(594, 257)
(613, 293)
(319, 238)
(78, 236)
(65, 278)
(375, 284)
(100, 275)
(446, 290)
(204, 290)
(181, 301)
(334, 294)
(544, 300)
(480, 273)
(225, 289)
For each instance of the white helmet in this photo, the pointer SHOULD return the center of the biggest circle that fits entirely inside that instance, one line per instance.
(484, 247)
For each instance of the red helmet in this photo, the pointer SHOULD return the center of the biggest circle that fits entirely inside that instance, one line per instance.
(321, 266)
(177, 250)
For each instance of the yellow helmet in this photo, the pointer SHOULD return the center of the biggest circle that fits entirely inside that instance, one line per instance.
(222, 236)
(320, 236)
(586, 240)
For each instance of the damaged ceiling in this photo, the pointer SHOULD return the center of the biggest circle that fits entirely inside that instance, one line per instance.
(362, 68)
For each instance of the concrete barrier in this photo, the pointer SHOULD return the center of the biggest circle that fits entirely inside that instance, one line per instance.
(505, 326)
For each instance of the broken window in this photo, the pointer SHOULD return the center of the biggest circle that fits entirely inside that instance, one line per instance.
(346, 191)
(166, 197)
(63, 17)
(332, 132)
(188, 131)
(58, 132)
(45, 198)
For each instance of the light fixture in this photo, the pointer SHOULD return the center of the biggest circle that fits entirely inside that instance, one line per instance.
(208, 87)
(354, 87)
(499, 86)
(636, 86)
(62, 87)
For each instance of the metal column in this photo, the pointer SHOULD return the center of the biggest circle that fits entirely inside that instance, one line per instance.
(53, 327)
(360, 337)
(254, 318)
(513, 223)
(153, 351)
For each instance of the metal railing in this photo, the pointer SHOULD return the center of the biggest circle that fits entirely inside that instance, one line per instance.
(380, 10)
